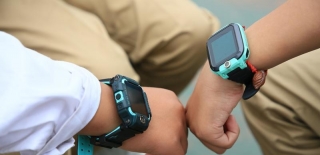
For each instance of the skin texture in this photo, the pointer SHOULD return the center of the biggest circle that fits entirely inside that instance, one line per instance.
(287, 32)
(167, 128)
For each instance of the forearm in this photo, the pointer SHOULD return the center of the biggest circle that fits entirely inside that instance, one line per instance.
(106, 118)
(289, 31)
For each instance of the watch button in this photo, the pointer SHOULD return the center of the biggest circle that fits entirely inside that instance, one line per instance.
(227, 64)
(118, 96)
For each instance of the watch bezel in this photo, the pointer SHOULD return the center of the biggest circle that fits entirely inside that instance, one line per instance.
(239, 45)
(132, 122)
(129, 117)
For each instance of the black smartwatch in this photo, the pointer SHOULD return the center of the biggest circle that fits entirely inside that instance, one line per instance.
(133, 109)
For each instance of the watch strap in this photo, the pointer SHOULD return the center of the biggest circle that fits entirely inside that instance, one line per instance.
(84, 146)
(252, 78)
(114, 138)
(244, 76)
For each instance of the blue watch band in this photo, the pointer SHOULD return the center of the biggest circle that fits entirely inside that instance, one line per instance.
(84, 146)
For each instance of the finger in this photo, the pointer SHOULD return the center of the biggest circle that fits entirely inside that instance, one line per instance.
(232, 130)
(215, 149)
(226, 141)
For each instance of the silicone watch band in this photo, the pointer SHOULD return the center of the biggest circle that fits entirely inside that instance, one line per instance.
(244, 76)
(84, 146)
(114, 138)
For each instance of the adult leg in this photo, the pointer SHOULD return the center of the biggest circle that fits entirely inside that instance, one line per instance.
(164, 39)
(284, 115)
(64, 32)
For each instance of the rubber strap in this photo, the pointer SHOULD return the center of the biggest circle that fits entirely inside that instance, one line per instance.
(115, 138)
(84, 146)
(245, 76)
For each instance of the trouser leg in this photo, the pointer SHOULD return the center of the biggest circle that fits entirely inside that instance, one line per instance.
(165, 39)
(284, 115)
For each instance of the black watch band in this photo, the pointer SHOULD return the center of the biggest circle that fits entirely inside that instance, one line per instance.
(114, 138)
(245, 77)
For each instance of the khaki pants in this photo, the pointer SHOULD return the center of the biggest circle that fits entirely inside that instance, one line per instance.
(285, 115)
(159, 42)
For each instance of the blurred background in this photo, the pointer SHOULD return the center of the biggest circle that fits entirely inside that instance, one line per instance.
(245, 12)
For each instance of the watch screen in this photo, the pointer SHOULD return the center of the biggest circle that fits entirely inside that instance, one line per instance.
(224, 46)
(135, 95)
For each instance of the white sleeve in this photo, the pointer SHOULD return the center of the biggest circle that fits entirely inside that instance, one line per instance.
(43, 102)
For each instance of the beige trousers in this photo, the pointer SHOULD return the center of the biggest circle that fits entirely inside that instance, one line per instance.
(159, 42)
(285, 115)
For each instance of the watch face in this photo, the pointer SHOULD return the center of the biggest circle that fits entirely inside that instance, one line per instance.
(224, 45)
(135, 95)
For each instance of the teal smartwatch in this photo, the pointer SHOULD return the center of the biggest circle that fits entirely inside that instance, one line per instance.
(228, 53)
(133, 109)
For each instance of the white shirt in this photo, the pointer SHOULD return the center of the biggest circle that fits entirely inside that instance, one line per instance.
(43, 102)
